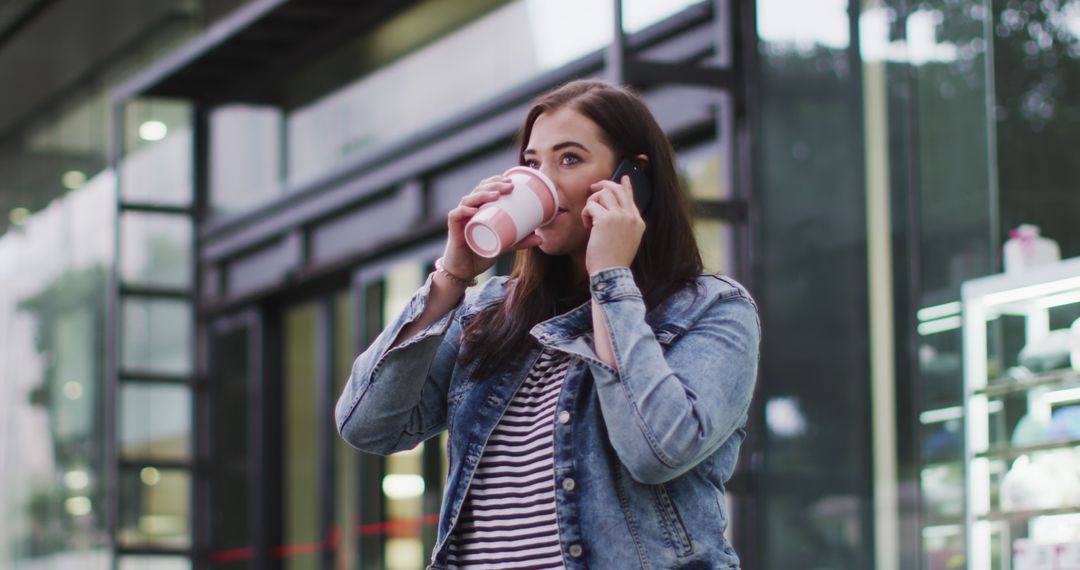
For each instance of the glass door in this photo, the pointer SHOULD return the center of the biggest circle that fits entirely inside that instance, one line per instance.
(397, 497)
(235, 487)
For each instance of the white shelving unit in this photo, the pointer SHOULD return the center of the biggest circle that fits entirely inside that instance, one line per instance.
(1030, 296)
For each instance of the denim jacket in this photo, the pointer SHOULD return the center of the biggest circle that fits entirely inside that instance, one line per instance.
(641, 453)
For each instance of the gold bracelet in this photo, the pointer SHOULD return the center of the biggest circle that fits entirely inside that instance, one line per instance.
(441, 269)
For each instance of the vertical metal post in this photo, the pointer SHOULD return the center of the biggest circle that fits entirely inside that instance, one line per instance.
(324, 411)
(616, 52)
(257, 413)
(200, 394)
(112, 343)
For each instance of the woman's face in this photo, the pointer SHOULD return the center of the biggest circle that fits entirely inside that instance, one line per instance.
(567, 146)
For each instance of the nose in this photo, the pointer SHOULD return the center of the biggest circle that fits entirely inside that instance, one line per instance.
(546, 171)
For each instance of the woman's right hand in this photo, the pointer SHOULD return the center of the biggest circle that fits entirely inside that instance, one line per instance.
(458, 258)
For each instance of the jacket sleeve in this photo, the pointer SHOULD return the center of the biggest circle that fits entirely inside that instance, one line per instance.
(666, 412)
(396, 397)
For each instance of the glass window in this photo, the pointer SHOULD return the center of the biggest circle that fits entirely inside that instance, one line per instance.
(929, 143)
(702, 170)
(158, 163)
(716, 240)
(155, 250)
(155, 421)
(814, 384)
(155, 507)
(52, 156)
(53, 278)
(504, 48)
(1036, 63)
(245, 165)
(157, 336)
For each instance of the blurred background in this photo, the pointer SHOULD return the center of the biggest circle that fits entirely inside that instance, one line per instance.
(208, 208)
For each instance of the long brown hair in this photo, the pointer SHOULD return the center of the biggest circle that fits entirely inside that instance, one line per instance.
(667, 259)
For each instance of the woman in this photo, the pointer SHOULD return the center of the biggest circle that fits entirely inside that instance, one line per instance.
(595, 399)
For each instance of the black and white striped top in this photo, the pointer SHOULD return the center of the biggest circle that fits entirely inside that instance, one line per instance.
(508, 518)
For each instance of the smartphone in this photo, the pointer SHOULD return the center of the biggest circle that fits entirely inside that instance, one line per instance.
(638, 179)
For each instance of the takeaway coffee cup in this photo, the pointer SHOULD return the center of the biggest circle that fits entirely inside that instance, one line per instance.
(500, 224)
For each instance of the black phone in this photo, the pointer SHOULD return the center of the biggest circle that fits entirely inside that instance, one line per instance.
(639, 179)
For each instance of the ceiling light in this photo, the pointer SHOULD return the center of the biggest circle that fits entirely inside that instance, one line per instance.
(153, 131)
(73, 179)
(18, 216)
(150, 476)
(73, 390)
(401, 486)
(76, 480)
(78, 506)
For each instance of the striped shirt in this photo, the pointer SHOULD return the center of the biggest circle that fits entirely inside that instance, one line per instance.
(508, 518)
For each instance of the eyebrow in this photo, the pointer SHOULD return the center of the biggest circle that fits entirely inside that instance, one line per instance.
(559, 146)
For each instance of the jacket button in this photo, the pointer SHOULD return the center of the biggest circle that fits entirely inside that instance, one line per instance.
(568, 485)
(564, 417)
(575, 550)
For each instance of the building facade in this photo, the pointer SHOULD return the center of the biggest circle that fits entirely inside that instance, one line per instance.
(215, 206)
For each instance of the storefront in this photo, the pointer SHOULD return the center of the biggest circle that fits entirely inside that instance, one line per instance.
(280, 186)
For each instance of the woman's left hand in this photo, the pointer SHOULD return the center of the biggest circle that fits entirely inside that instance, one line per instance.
(615, 223)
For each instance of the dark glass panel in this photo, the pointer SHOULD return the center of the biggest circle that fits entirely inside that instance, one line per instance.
(816, 490)
(231, 471)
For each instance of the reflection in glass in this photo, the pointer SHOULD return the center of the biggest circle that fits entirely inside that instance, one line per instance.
(52, 317)
(155, 421)
(156, 336)
(802, 27)
(1036, 65)
(155, 508)
(156, 249)
(817, 501)
(943, 491)
(943, 547)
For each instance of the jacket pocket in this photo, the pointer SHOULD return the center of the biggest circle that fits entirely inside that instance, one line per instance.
(674, 529)
(666, 335)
